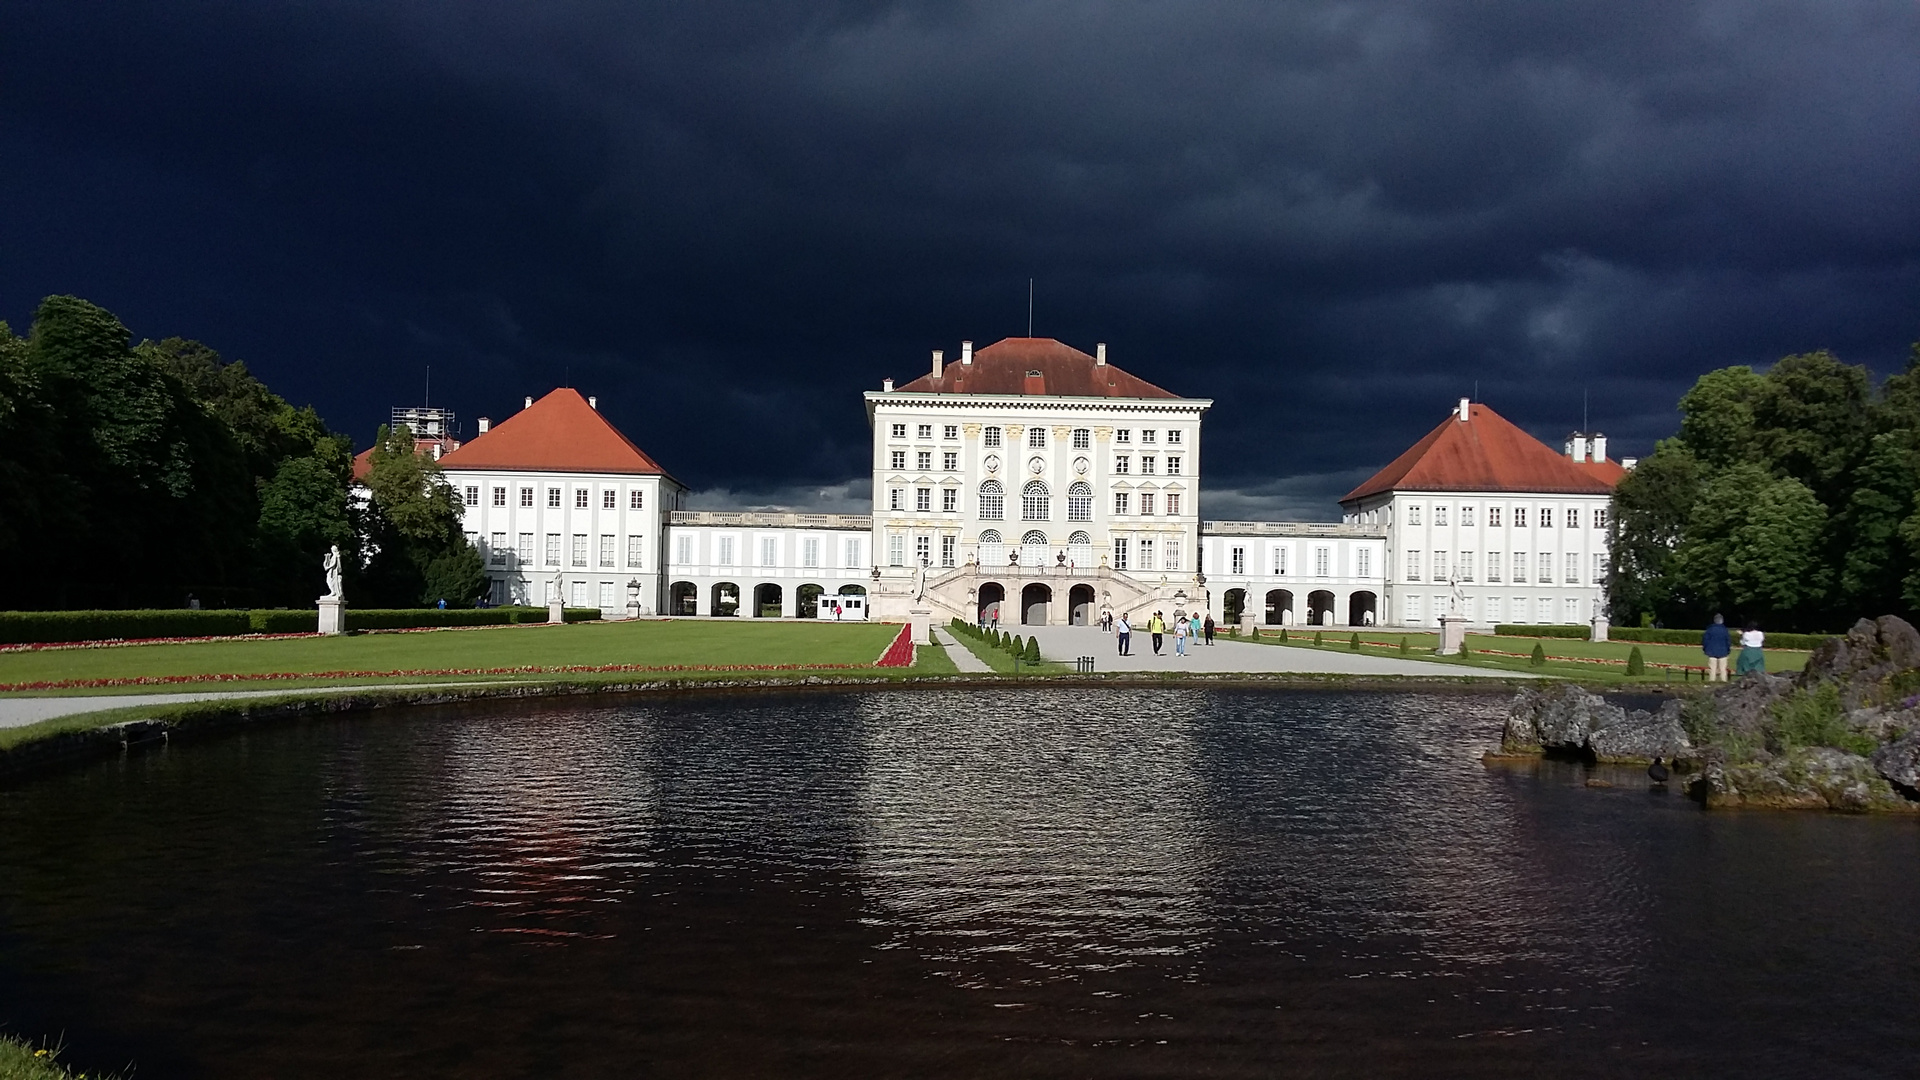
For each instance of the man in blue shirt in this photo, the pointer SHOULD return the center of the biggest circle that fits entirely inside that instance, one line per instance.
(1716, 644)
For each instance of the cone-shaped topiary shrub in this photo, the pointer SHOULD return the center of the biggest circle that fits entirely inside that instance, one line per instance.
(1636, 664)
(1539, 657)
(1316, 637)
(1355, 643)
(1403, 647)
(1283, 634)
(1032, 654)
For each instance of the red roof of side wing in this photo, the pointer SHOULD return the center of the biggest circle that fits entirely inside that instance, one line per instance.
(1064, 371)
(1486, 452)
(558, 433)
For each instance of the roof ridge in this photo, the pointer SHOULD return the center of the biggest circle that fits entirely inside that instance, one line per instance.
(1485, 452)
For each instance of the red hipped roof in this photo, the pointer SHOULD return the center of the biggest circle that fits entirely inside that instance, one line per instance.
(558, 433)
(1009, 366)
(1486, 452)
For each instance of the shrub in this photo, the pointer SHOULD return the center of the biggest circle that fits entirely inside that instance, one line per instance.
(1316, 638)
(37, 627)
(292, 621)
(1545, 630)
(1636, 664)
(1283, 635)
(1404, 650)
(1539, 657)
(417, 618)
(1354, 644)
(1813, 718)
(1032, 653)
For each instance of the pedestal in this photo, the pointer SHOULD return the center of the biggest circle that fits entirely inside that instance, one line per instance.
(556, 612)
(921, 619)
(1453, 634)
(333, 615)
(633, 609)
(1600, 627)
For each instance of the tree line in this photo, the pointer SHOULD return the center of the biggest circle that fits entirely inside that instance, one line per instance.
(1790, 497)
(144, 474)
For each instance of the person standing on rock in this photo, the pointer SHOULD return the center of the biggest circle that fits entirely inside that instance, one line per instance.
(1752, 658)
(1125, 633)
(1717, 644)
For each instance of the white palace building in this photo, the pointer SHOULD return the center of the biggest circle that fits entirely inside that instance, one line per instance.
(1043, 485)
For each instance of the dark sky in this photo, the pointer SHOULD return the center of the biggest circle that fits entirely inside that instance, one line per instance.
(728, 219)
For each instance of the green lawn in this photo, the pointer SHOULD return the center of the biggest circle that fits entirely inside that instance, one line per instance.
(1562, 653)
(648, 642)
(1000, 660)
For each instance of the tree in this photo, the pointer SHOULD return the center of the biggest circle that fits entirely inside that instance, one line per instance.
(1717, 421)
(412, 529)
(1651, 506)
(303, 510)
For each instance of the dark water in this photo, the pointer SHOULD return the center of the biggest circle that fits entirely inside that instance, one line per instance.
(1104, 883)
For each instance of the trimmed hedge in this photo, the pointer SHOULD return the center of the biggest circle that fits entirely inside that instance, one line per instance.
(1650, 636)
(1549, 630)
(52, 627)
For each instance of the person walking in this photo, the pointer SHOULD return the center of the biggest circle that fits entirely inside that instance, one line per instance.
(1125, 629)
(1180, 636)
(1752, 658)
(1208, 627)
(1156, 626)
(1193, 625)
(1717, 644)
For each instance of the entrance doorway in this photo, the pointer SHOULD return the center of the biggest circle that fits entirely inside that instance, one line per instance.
(766, 601)
(992, 596)
(1034, 600)
(1279, 607)
(1080, 605)
(1233, 605)
(1320, 608)
(1360, 609)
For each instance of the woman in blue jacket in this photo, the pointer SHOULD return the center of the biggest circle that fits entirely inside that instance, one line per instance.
(1717, 644)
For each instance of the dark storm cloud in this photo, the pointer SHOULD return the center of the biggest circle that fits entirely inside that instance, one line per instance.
(728, 219)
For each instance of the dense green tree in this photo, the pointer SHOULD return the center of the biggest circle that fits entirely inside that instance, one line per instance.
(1717, 424)
(417, 552)
(1650, 511)
(303, 510)
(1875, 560)
(1813, 420)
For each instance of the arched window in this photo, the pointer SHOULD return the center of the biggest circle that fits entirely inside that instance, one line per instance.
(1080, 502)
(1033, 549)
(993, 501)
(1034, 538)
(1079, 538)
(1080, 549)
(991, 536)
(1033, 502)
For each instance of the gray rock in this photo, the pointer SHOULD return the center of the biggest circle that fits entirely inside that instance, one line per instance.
(1811, 778)
(1742, 704)
(1865, 661)
(1567, 719)
(1899, 761)
(1640, 735)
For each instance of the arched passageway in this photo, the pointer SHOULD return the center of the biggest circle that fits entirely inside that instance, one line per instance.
(1034, 601)
(1320, 608)
(807, 601)
(1279, 607)
(766, 601)
(726, 598)
(1233, 605)
(1362, 609)
(992, 596)
(1080, 605)
(683, 598)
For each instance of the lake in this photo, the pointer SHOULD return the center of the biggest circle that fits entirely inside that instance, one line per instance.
(1109, 882)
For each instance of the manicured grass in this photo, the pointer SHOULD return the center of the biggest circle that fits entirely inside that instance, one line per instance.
(1001, 661)
(933, 660)
(1562, 653)
(646, 642)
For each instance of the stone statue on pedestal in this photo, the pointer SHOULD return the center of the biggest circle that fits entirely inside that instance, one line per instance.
(920, 581)
(336, 588)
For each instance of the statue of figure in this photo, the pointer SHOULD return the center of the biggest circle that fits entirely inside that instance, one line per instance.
(556, 590)
(1457, 598)
(336, 588)
(920, 581)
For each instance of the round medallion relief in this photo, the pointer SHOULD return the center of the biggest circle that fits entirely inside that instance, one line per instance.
(1080, 466)
(992, 464)
(1037, 466)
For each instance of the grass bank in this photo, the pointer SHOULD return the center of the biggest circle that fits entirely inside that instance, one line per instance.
(21, 1060)
(1599, 663)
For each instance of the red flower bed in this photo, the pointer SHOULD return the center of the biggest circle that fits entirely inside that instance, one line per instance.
(568, 669)
(900, 653)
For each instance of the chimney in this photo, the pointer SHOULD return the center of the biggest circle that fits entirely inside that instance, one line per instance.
(1628, 463)
(966, 352)
(1577, 446)
(529, 403)
(1100, 355)
(1464, 405)
(1599, 447)
(886, 386)
(939, 362)
(484, 425)
(593, 403)
(436, 451)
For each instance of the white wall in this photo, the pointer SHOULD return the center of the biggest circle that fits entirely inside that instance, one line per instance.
(526, 576)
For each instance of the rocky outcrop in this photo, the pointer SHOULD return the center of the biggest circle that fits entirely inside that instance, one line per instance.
(1877, 662)
(1899, 762)
(1567, 719)
(1807, 778)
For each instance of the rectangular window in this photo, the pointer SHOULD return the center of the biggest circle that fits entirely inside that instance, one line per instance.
(1413, 565)
(1364, 559)
(896, 549)
(897, 460)
(553, 549)
(1237, 560)
(683, 550)
(1413, 609)
(606, 595)
(1573, 517)
(1573, 568)
(499, 496)
(1146, 502)
(610, 499)
(526, 496)
(1082, 439)
(896, 498)
(1123, 435)
(1545, 575)
(951, 431)
(1146, 435)
(1441, 571)
(1439, 515)
(769, 551)
(1519, 568)
(606, 549)
(1120, 552)
(1173, 555)
(946, 549)
(1493, 565)
(1519, 517)
(851, 554)
(497, 549)
(898, 431)
(1493, 609)
(1322, 562)
(634, 551)
(1493, 516)
(1146, 554)
(923, 499)
(1036, 438)
(1173, 435)
(1120, 501)
(1413, 515)
(1280, 561)
(553, 498)
(1173, 504)
(810, 552)
(1600, 518)
(579, 549)
(1546, 517)
(472, 495)
(577, 590)
(636, 499)
(923, 460)
(525, 551)
(1466, 517)
(949, 500)
(923, 550)
(579, 498)
(725, 554)
(924, 431)
(1599, 567)
(1173, 466)
(1146, 464)
(1122, 465)
(950, 461)
(1466, 566)
(991, 436)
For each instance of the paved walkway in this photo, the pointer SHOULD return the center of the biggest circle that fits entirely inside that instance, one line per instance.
(1065, 643)
(21, 711)
(961, 656)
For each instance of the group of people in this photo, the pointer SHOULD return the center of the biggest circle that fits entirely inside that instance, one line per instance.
(1717, 643)
(1183, 626)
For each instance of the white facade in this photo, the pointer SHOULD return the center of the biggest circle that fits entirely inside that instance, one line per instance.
(763, 565)
(1271, 573)
(591, 533)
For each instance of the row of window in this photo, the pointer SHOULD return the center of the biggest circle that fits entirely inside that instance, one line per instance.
(1036, 501)
(582, 497)
(1544, 609)
(1545, 516)
(1322, 561)
(575, 594)
(521, 553)
(1036, 435)
(1543, 566)
(1149, 464)
(812, 550)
